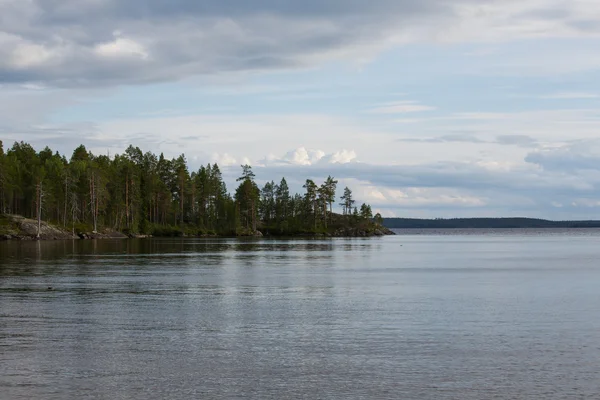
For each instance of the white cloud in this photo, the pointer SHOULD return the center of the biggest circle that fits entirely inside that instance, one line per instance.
(307, 157)
(401, 107)
(342, 157)
(121, 47)
(20, 53)
(224, 159)
(420, 197)
(27, 55)
(301, 156)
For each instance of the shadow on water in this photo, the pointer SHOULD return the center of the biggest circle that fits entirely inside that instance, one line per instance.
(81, 257)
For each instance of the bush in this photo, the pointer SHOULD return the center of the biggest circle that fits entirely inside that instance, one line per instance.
(167, 231)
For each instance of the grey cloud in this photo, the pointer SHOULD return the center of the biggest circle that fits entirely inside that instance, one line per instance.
(444, 175)
(507, 140)
(552, 12)
(578, 156)
(184, 37)
(75, 10)
(517, 140)
(587, 25)
(444, 139)
(194, 137)
(56, 41)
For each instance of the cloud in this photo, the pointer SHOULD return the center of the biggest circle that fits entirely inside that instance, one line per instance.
(505, 140)
(453, 189)
(112, 42)
(401, 107)
(456, 138)
(475, 116)
(450, 175)
(570, 96)
(121, 47)
(419, 197)
(580, 155)
(224, 160)
(306, 157)
(301, 156)
(516, 140)
(341, 157)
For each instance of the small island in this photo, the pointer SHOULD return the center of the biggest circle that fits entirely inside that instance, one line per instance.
(44, 195)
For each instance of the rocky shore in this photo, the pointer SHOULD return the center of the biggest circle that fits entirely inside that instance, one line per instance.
(15, 227)
(358, 232)
(341, 232)
(20, 228)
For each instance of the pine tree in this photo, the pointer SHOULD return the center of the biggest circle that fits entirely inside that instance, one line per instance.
(331, 186)
(311, 200)
(247, 196)
(347, 201)
(267, 203)
(365, 211)
(282, 205)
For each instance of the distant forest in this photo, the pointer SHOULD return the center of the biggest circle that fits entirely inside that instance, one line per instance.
(139, 192)
(465, 223)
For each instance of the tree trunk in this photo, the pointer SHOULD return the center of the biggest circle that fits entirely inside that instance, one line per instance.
(39, 208)
(93, 195)
(253, 218)
(131, 211)
(181, 201)
(66, 201)
(96, 208)
(127, 200)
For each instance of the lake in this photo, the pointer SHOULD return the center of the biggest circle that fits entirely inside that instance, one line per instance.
(422, 315)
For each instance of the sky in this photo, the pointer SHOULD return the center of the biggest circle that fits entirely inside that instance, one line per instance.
(425, 108)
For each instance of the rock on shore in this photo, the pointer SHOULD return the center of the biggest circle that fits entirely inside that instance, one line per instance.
(106, 234)
(16, 227)
(21, 228)
(361, 232)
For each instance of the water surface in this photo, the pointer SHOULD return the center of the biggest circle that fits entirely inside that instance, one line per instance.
(448, 315)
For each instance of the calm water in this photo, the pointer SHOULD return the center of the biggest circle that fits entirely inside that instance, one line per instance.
(466, 315)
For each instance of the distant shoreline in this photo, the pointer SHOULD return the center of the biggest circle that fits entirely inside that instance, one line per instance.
(485, 223)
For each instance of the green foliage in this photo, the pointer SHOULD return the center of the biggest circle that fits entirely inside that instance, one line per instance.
(347, 201)
(365, 211)
(137, 192)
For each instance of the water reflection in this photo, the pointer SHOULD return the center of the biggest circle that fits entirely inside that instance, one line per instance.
(405, 317)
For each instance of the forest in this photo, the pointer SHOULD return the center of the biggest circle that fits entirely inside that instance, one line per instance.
(137, 192)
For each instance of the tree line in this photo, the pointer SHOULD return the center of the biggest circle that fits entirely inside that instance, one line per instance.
(137, 192)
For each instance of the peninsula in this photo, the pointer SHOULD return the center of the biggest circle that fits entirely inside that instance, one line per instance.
(45, 195)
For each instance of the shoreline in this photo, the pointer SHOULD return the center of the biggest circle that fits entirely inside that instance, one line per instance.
(19, 238)
(18, 228)
(120, 236)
